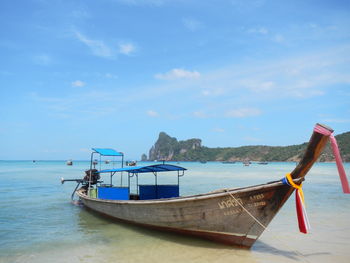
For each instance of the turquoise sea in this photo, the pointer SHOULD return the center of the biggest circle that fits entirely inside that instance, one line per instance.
(38, 222)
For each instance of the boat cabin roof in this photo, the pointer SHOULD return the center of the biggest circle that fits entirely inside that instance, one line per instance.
(146, 169)
(107, 152)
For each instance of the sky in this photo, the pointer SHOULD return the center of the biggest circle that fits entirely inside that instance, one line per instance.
(115, 73)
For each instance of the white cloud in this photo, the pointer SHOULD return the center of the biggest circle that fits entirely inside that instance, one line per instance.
(247, 5)
(42, 59)
(212, 92)
(259, 30)
(78, 83)
(303, 76)
(178, 74)
(101, 49)
(206, 92)
(242, 90)
(336, 120)
(80, 13)
(218, 130)
(243, 112)
(200, 114)
(278, 38)
(299, 93)
(111, 76)
(143, 2)
(85, 105)
(152, 113)
(258, 85)
(191, 24)
(98, 47)
(127, 48)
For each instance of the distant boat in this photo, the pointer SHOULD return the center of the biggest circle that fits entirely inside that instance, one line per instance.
(233, 216)
(203, 161)
(69, 162)
(263, 163)
(130, 163)
(229, 162)
(107, 161)
(247, 163)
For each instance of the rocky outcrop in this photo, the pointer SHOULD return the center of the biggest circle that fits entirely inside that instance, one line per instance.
(143, 157)
(169, 148)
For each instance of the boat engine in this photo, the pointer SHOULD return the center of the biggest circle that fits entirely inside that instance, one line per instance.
(91, 178)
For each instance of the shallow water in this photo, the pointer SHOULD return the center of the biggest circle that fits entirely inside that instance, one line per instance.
(38, 223)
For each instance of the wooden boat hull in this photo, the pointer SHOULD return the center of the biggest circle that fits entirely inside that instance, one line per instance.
(215, 216)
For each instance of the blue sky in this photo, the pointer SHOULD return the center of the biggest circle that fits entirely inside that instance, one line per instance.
(115, 73)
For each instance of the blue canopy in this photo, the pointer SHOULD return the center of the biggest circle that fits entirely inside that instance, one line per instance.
(146, 169)
(107, 152)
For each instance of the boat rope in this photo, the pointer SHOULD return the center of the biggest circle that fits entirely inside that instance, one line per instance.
(303, 257)
(246, 210)
(289, 181)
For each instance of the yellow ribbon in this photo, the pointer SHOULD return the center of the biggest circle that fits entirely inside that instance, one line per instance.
(298, 187)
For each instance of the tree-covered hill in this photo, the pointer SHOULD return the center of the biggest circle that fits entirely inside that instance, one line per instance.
(170, 149)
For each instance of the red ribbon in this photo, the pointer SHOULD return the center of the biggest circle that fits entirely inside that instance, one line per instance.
(303, 221)
(338, 160)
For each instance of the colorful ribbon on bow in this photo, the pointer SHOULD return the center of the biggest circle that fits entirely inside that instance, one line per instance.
(303, 220)
(336, 153)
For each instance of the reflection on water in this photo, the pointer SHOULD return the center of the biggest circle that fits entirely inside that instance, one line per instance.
(39, 224)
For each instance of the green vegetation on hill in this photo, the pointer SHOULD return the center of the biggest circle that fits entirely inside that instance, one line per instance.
(169, 148)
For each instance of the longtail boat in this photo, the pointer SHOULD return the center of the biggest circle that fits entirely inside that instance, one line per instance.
(231, 216)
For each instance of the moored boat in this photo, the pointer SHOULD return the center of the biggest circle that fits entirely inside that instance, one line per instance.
(247, 163)
(231, 216)
(130, 163)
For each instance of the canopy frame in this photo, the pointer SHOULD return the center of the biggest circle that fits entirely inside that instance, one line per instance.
(155, 169)
(105, 152)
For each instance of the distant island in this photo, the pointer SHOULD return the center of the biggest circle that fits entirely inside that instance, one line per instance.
(170, 149)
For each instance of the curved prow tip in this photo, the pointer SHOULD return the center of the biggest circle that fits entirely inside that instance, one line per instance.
(62, 180)
(317, 143)
(324, 126)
